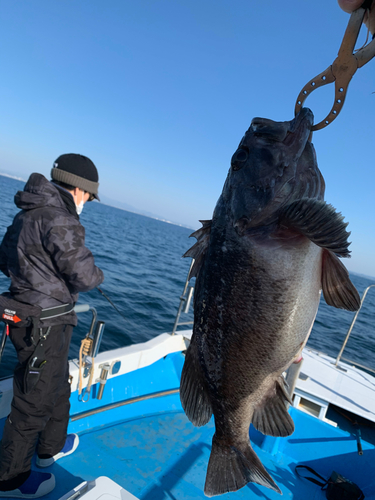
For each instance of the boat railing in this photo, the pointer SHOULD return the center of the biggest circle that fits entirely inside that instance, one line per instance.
(347, 360)
(355, 363)
(97, 335)
(185, 300)
(350, 331)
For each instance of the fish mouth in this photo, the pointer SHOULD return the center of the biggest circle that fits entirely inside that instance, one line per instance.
(278, 146)
(296, 130)
(264, 168)
(269, 147)
(300, 128)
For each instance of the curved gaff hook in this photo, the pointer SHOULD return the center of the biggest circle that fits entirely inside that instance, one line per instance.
(342, 69)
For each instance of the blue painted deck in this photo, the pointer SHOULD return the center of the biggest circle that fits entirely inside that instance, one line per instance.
(151, 449)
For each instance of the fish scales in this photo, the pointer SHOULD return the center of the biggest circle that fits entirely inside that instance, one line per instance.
(269, 281)
(260, 264)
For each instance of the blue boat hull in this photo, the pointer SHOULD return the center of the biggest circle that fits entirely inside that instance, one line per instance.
(139, 436)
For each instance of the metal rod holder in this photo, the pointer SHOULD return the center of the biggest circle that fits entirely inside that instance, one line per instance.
(103, 379)
(97, 338)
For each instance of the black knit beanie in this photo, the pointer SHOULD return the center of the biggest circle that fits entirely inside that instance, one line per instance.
(78, 171)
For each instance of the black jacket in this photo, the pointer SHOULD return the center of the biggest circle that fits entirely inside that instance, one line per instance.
(44, 253)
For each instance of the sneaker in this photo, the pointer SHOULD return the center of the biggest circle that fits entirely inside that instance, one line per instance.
(35, 486)
(71, 443)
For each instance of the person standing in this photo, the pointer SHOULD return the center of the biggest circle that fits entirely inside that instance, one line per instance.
(44, 254)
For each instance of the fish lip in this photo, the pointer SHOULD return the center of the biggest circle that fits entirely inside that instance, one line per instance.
(299, 128)
(281, 131)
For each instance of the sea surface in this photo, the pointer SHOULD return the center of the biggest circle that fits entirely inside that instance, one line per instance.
(145, 275)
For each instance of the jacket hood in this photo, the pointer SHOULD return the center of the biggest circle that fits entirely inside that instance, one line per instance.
(37, 193)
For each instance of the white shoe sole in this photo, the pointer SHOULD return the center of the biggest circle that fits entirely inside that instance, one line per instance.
(46, 462)
(45, 488)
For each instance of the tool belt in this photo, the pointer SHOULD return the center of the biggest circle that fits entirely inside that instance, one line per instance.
(14, 313)
(17, 314)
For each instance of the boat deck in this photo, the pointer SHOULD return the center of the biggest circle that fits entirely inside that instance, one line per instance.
(139, 436)
(163, 456)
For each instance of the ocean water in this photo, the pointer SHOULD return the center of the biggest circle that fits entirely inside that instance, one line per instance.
(145, 276)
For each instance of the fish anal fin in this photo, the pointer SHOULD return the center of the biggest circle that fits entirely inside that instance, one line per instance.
(193, 394)
(230, 468)
(271, 416)
(338, 290)
(318, 221)
(198, 250)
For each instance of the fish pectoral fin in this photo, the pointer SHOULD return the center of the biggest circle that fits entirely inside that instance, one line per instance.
(271, 417)
(318, 221)
(338, 290)
(193, 394)
(199, 249)
(230, 468)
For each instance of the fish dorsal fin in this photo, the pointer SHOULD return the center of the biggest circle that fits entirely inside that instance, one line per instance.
(271, 416)
(338, 290)
(318, 221)
(198, 250)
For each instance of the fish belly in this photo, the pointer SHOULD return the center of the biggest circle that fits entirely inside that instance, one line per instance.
(254, 315)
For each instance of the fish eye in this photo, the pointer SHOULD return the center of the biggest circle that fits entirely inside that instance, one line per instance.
(239, 158)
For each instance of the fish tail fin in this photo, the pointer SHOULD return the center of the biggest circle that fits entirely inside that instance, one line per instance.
(193, 393)
(271, 417)
(229, 469)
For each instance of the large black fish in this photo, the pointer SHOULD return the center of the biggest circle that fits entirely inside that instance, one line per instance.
(261, 263)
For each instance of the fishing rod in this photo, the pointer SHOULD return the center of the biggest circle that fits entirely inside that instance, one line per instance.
(110, 301)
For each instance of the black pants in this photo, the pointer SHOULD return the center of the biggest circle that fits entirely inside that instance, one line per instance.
(38, 420)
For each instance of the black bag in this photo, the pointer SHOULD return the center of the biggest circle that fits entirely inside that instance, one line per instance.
(337, 487)
(16, 313)
(21, 315)
(341, 488)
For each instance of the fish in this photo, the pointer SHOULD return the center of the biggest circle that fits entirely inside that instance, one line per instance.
(272, 245)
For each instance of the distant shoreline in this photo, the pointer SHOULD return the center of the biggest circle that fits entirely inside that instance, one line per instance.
(13, 177)
(114, 205)
(148, 216)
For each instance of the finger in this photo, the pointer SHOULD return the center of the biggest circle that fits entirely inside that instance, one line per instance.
(350, 5)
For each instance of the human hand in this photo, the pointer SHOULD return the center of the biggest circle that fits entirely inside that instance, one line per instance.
(351, 5)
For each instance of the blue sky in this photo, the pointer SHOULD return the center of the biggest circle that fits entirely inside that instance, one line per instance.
(158, 93)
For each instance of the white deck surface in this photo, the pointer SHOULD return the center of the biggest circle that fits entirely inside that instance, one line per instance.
(346, 387)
